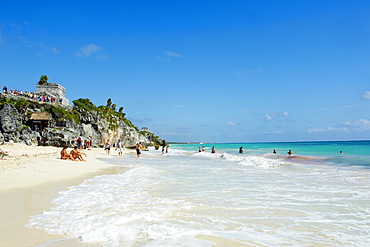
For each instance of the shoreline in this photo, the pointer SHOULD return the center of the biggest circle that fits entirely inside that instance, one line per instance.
(30, 178)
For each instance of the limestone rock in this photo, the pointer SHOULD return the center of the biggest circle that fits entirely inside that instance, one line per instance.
(10, 120)
(28, 136)
(58, 137)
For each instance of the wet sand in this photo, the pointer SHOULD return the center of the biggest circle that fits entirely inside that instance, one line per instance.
(30, 178)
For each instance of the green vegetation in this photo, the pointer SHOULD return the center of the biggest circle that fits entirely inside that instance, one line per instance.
(43, 79)
(80, 106)
(108, 112)
(5, 101)
(61, 113)
(85, 104)
(21, 105)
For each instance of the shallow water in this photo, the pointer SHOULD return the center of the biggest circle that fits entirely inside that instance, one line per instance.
(187, 198)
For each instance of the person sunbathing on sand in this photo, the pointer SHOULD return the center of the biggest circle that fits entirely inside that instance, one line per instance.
(65, 155)
(76, 154)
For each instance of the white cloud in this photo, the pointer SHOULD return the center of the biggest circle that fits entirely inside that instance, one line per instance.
(314, 130)
(366, 95)
(172, 54)
(54, 50)
(268, 117)
(174, 106)
(276, 115)
(231, 123)
(363, 124)
(169, 55)
(337, 107)
(87, 50)
(360, 125)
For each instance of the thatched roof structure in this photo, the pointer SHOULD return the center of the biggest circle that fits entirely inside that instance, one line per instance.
(40, 116)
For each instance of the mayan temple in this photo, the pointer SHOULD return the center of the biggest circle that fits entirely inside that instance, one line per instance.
(53, 90)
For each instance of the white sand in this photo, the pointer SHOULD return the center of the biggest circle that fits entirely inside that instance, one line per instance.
(30, 179)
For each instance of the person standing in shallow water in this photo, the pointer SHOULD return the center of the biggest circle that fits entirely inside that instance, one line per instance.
(138, 151)
(290, 152)
(119, 147)
(213, 150)
(107, 147)
(274, 152)
(241, 150)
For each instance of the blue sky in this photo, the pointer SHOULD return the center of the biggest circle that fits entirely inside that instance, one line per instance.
(211, 71)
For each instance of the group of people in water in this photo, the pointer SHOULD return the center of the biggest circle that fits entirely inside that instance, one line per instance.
(119, 146)
(202, 149)
(213, 150)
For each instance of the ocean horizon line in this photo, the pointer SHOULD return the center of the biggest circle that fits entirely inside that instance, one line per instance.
(306, 141)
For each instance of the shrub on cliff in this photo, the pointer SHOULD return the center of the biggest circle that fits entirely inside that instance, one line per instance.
(60, 113)
(85, 104)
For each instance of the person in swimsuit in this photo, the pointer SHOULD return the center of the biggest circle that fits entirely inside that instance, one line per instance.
(76, 154)
(138, 151)
(107, 147)
(64, 155)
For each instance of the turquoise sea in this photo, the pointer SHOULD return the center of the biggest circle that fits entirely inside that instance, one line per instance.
(315, 197)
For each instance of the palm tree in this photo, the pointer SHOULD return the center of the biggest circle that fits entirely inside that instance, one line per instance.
(109, 102)
(43, 79)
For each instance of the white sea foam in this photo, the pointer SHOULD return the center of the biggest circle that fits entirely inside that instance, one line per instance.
(222, 199)
(257, 161)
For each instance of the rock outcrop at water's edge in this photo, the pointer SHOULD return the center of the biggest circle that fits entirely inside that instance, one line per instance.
(65, 125)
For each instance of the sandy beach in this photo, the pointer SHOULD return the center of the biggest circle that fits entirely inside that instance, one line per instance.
(30, 178)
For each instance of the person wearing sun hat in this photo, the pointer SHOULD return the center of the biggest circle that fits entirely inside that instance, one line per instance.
(89, 143)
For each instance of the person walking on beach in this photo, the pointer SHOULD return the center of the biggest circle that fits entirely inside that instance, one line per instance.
(162, 150)
(138, 149)
(80, 141)
(119, 147)
(167, 149)
(107, 147)
(89, 142)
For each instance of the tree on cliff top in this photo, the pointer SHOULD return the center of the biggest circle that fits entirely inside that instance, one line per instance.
(109, 102)
(43, 79)
(85, 104)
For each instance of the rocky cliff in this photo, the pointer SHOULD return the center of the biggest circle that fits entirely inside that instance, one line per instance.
(65, 125)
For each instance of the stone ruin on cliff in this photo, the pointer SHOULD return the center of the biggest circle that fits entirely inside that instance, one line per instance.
(53, 90)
